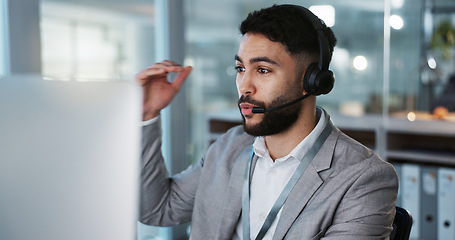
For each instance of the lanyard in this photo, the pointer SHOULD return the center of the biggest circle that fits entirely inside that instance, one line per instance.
(287, 189)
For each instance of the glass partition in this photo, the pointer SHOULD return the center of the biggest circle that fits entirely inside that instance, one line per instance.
(422, 61)
(212, 40)
(405, 55)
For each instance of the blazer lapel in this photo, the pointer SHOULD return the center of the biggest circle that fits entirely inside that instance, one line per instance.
(232, 206)
(298, 198)
(306, 186)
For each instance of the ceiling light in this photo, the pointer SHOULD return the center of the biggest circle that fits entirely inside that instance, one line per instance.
(360, 63)
(396, 22)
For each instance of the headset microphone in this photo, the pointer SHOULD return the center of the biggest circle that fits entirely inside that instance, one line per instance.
(264, 110)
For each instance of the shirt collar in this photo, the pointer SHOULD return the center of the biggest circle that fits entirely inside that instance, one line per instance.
(301, 149)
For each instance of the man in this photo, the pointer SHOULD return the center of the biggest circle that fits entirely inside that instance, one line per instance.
(288, 173)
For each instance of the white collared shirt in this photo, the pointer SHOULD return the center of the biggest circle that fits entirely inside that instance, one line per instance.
(270, 178)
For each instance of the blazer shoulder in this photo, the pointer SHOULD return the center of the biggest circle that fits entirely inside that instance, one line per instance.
(230, 143)
(351, 148)
(234, 136)
(350, 152)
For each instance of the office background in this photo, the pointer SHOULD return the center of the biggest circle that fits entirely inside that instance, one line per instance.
(393, 60)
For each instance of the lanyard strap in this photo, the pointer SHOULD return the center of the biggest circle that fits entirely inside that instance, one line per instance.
(286, 191)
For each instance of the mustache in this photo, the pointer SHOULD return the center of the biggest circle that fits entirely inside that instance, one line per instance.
(248, 99)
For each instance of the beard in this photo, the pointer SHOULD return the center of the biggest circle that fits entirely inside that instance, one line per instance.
(276, 121)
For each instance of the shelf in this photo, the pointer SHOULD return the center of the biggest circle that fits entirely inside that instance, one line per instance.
(422, 156)
(432, 127)
(366, 122)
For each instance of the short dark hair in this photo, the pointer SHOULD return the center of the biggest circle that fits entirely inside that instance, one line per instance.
(288, 25)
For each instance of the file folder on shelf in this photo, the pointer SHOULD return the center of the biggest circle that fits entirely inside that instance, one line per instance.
(428, 203)
(446, 203)
(410, 198)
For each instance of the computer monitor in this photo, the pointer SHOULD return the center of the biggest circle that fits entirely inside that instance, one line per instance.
(69, 159)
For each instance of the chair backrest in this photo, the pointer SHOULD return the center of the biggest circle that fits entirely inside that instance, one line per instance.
(401, 225)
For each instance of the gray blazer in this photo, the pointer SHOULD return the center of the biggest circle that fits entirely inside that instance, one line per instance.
(347, 192)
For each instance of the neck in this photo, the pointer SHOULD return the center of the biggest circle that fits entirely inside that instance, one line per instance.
(292, 136)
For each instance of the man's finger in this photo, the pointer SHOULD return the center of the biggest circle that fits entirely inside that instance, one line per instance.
(143, 76)
(161, 70)
(170, 63)
(181, 77)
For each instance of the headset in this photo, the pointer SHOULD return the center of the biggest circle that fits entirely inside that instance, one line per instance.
(318, 79)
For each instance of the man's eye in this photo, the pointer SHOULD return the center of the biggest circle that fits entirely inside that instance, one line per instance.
(239, 69)
(263, 71)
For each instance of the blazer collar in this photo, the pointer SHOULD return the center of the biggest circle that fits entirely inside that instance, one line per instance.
(323, 159)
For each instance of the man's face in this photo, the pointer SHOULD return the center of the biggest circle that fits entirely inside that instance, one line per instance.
(266, 77)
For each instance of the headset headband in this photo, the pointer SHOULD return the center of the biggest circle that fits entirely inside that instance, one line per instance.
(324, 49)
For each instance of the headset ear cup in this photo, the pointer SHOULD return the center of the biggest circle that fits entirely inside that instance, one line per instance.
(316, 81)
(310, 78)
(324, 82)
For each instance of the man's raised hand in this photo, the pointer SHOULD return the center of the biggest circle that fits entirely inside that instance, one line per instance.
(158, 90)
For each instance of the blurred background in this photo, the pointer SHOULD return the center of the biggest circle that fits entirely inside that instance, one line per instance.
(394, 59)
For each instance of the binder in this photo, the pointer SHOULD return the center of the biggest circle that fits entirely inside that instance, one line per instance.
(411, 195)
(446, 203)
(428, 203)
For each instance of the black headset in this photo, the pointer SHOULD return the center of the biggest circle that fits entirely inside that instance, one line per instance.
(318, 79)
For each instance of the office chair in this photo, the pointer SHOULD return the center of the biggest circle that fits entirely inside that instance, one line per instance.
(401, 225)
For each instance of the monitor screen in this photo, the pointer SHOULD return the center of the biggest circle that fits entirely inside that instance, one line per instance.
(69, 159)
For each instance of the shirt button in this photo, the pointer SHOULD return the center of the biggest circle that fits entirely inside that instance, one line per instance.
(263, 216)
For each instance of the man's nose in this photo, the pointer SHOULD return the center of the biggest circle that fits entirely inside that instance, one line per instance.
(246, 85)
